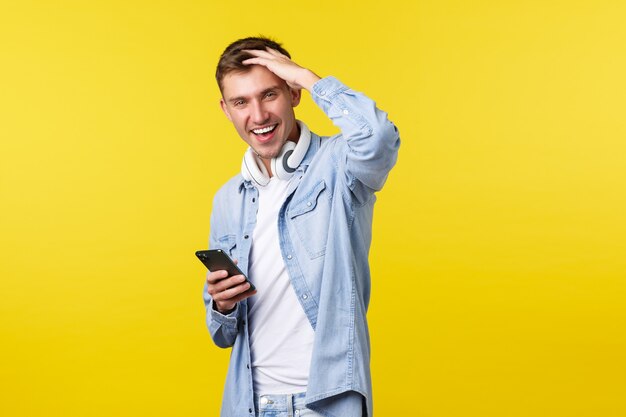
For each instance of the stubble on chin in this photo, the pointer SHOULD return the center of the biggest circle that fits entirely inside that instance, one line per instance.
(269, 151)
(267, 154)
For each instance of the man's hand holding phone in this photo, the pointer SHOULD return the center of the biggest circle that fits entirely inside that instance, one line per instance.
(227, 291)
(227, 285)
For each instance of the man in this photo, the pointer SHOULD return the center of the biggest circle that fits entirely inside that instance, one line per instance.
(298, 220)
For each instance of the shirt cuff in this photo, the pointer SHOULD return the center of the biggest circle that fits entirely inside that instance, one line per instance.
(229, 319)
(326, 88)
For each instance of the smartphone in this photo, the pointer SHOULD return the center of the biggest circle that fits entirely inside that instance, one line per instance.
(217, 260)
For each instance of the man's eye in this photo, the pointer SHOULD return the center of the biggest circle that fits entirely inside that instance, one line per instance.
(270, 94)
(238, 103)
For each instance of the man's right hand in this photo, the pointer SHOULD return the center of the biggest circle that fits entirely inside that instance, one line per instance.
(227, 292)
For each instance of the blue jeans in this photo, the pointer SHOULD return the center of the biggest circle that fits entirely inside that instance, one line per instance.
(290, 405)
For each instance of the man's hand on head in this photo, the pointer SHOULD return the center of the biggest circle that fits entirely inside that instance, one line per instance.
(294, 75)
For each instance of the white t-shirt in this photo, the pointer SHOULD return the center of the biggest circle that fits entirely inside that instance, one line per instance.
(281, 337)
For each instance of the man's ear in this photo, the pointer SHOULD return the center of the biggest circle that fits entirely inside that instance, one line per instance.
(296, 94)
(225, 109)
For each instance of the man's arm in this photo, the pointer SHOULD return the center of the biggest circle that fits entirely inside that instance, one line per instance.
(222, 295)
(222, 327)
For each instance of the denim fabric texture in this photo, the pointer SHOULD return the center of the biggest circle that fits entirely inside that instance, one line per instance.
(292, 405)
(325, 228)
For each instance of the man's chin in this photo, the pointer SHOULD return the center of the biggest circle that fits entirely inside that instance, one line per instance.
(268, 154)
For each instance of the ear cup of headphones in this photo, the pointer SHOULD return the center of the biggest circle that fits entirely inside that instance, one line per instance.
(280, 165)
(283, 165)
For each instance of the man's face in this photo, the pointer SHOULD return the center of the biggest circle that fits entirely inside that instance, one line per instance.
(260, 105)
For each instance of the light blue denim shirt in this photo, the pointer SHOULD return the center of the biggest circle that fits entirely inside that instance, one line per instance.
(325, 230)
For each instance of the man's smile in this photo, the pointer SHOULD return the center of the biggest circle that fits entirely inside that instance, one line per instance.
(266, 133)
(263, 130)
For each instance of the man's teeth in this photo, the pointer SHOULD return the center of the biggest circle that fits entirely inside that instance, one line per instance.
(264, 130)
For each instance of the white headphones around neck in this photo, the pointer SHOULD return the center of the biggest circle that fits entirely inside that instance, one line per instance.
(283, 166)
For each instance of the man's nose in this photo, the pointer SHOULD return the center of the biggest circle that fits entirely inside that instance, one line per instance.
(258, 114)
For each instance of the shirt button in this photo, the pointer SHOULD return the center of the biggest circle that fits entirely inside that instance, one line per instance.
(304, 296)
(322, 93)
(289, 256)
(253, 200)
(263, 400)
(346, 112)
(250, 410)
(246, 236)
(309, 204)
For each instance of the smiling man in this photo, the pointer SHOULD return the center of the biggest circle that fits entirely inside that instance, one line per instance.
(298, 219)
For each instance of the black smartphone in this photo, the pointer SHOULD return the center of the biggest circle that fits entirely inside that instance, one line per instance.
(217, 260)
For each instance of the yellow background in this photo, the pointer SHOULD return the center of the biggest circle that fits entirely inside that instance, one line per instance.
(499, 241)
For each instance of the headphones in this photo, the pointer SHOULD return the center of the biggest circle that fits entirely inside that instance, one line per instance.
(283, 165)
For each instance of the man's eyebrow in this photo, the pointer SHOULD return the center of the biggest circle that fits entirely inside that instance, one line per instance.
(272, 88)
(262, 93)
(233, 99)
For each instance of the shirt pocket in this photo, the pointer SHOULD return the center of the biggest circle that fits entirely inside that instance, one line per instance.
(310, 217)
(228, 243)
